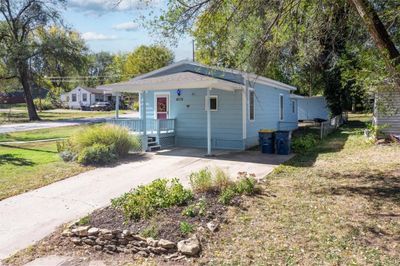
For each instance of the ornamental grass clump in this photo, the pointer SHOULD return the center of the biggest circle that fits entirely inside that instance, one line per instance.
(100, 144)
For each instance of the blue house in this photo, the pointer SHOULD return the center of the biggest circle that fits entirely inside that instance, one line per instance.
(192, 105)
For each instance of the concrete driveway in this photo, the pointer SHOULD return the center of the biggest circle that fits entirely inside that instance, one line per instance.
(29, 217)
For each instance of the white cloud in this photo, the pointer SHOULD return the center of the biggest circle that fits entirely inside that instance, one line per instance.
(101, 6)
(127, 26)
(93, 36)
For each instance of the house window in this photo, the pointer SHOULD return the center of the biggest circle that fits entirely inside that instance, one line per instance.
(213, 103)
(251, 105)
(84, 97)
(73, 97)
(293, 106)
(281, 107)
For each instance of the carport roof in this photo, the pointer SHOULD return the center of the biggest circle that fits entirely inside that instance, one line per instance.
(181, 80)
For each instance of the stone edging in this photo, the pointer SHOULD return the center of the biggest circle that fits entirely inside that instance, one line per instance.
(124, 241)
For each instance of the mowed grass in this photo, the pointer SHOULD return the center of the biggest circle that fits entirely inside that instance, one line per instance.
(21, 116)
(24, 167)
(41, 134)
(336, 205)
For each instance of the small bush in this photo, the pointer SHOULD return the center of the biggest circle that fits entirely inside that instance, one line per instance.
(304, 143)
(97, 154)
(145, 200)
(221, 180)
(108, 135)
(201, 181)
(186, 228)
(246, 186)
(198, 208)
(67, 156)
(227, 195)
(43, 104)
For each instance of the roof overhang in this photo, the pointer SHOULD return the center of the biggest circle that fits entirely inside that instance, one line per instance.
(181, 80)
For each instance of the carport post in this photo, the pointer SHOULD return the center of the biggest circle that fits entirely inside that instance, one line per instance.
(208, 123)
(117, 105)
(144, 118)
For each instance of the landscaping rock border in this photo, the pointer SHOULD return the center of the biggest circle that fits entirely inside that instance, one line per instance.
(124, 241)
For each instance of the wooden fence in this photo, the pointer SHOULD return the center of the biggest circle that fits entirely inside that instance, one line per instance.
(333, 124)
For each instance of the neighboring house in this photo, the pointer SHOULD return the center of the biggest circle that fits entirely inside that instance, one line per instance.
(193, 105)
(310, 108)
(387, 111)
(12, 97)
(82, 97)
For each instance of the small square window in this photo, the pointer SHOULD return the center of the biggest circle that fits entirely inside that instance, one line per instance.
(213, 103)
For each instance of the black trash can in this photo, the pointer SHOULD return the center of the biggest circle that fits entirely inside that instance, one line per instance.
(266, 140)
(282, 142)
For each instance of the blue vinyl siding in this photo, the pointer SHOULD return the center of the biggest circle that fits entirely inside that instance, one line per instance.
(267, 112)
(191, 118)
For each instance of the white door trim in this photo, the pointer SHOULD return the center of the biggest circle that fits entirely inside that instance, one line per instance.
(162, 94)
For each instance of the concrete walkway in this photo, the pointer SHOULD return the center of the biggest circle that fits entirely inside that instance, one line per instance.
(29, 217)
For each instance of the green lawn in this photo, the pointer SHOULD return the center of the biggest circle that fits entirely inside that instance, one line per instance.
(20, 115)
(41, 134)
(29, 166)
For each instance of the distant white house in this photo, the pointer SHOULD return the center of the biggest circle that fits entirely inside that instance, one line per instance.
(310, 108)
(387, 111)
(82, 97)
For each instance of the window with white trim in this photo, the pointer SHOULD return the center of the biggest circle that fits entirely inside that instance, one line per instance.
(84, 97)
(252, 96)
(281, 107)
(213, 103)
(293, 106)
(73, 97)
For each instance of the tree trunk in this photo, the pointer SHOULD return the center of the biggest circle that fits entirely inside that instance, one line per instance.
(24, 78)
(380, 36)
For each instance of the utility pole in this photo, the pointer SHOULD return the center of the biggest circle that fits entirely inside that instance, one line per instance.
(193, 51)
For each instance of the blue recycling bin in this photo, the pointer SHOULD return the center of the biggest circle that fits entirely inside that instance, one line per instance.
(266, 140)
(282, 142)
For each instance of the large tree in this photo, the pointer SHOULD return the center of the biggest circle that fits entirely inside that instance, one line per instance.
(20, 24)
(296, 32)
(147, 58)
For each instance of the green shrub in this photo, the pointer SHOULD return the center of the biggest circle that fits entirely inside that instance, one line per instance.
(221, 180)
(97, 154)
(84, 220)
(246, 186)
(43, 104)
(198, 208)
(227, 195)
(143, 201)
(189, 211)
(201, 181)
(108, 135)
(186, 228)
(304, 143)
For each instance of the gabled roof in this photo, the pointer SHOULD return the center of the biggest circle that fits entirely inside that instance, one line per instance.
(180, 80)
(249, 76)
(91, 90)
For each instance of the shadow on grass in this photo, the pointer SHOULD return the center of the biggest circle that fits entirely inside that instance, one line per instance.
(375, 186)
(26, 148)
(12, 159)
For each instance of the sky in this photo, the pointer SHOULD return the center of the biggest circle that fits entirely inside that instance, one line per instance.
(106, 26)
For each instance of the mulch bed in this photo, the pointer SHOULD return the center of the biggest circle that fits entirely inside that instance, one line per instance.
(165, 223)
